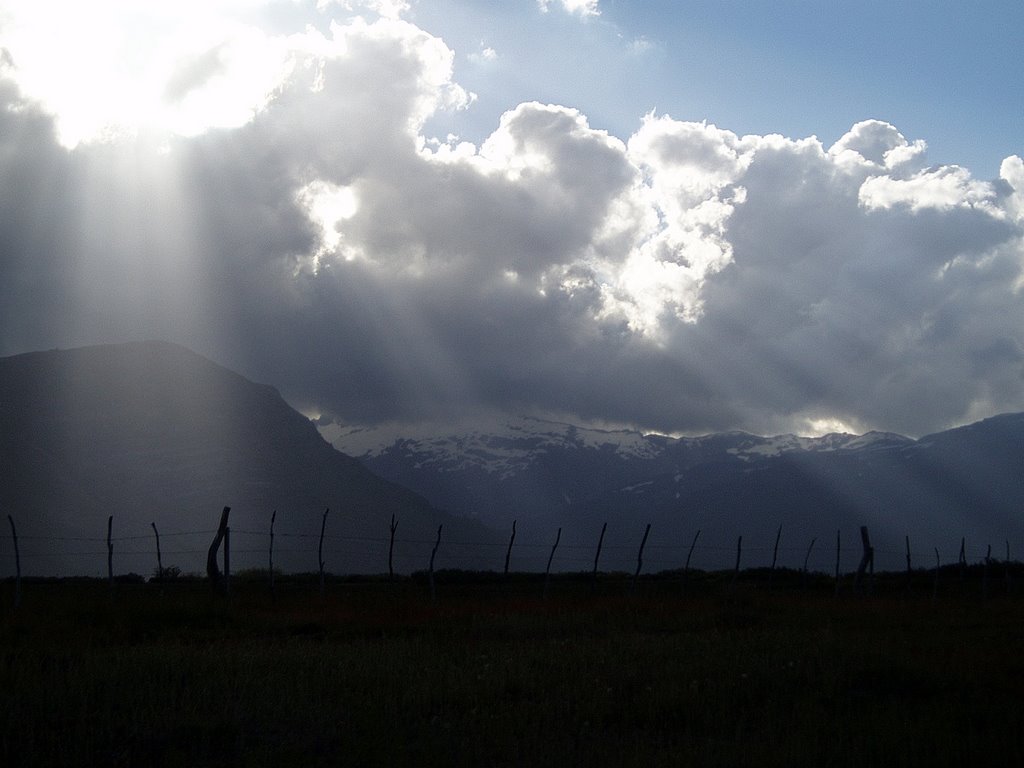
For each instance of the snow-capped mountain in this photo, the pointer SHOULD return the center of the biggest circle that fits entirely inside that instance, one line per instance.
(545, 474)
(524, 467)
(763, 447)
(501, 448)
(508, 447)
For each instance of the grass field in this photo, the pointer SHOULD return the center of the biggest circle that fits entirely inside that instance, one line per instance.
(493, 675)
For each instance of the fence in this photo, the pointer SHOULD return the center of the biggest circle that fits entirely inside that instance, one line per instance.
(157, 551)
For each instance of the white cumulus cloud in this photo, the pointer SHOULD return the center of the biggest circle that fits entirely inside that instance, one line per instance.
(683, 278)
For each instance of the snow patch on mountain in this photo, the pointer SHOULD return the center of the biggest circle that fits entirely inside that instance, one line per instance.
(766, 447)
(504, 447)
(501, 447)
(637, 487)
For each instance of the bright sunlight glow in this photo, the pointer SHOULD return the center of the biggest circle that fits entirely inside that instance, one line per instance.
(328, 204)
(112, 68)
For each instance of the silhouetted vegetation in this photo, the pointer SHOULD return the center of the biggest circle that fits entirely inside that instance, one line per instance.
(713, 672)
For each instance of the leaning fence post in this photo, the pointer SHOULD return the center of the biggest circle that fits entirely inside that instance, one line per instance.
(110, 554)
(807, 557)
(320, 550)
(508, 552)
(227, 562)
(547, 571)
(600, 541)
(871, 573)
(17, 564)
(867, 558)
(686, 568)
(212, 571)
(159, 561)
(739, 554)
(775, 557)
(640, 557)
(433, 554)
(391, 549)
(270, 559)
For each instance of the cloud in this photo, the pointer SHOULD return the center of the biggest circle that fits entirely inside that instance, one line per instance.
(640, 46)
(878, 143)
(942, 188)
(874, 313)
(683, 279)
(485, 55)
(392, 9)
(111, 68)
(581, 7)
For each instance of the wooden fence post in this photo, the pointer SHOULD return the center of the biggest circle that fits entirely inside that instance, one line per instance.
(600, 541)
(867, 559)
(962, 562)
(807, 557)
(775, 557)
(212, 571)
(433, 554)
(838, 551)
(909, 570)
(547, 571)
(391, 549)
(227, 561)
(110, 555)
(739, 554)
(17, 564)
(508, 552)
(935, 583)
(270, 557)
(686, 568)
(640, 557)
(984, 573)
(871, 573)
(1006, 569)
(159, 560)
(320, 550)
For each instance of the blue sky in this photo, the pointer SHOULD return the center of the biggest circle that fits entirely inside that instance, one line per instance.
(948, 72)
(682, 217)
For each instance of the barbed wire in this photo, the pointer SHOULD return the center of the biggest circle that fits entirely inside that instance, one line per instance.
(664, 556)
(824, 546)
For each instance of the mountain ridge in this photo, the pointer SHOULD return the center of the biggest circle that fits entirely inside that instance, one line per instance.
(963, 482)
(151, 431)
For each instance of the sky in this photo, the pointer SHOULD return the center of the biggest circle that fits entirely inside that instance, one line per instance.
(682, 217)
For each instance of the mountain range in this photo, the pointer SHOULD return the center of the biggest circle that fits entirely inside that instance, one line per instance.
(961, 483)
(153, 433)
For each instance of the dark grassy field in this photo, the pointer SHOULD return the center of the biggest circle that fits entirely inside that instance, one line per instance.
(374, 674)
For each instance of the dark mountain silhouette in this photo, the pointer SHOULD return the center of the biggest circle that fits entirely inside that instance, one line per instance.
(965, 482)
(152, 432)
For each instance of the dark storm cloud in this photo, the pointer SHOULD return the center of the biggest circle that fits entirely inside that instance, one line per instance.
(688, 280)
(869, 313)
(36, 290)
